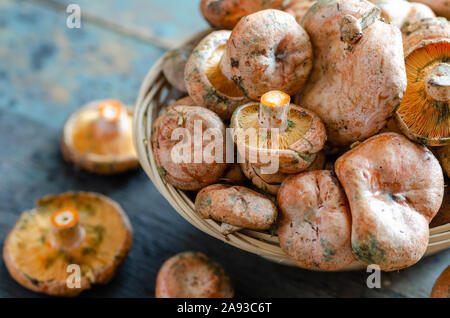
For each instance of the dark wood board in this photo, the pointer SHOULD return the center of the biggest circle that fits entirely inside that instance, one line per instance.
(47, 71)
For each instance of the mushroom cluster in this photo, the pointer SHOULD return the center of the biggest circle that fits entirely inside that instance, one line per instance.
(343, 174)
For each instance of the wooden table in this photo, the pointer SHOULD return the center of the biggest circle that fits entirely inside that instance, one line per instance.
(48, 70)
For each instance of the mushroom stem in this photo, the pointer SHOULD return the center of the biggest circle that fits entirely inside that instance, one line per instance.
(274, 110)
(66, 231)
(352, 28)
(112, 119)
(438, 82)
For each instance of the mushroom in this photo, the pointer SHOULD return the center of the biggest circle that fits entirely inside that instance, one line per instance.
(276, 131)
(87, 230)
(189, 163)
(298, 8)
(237, 206)
(208, 76)
(315, 222)
(270, 183)
(424, 114)
(440, 7)
(402, 13)
(394, 188)
(192, 275)
(264, 58)
(444, 157)
(234, 174)
(98, 138)
(224, 14)
(441, 288)
(358, 77)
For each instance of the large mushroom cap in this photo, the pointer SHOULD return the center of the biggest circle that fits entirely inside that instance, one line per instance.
(85, 229)
(424, 113)
(315, 221)
(98, 137)
(192, 275)
(301, 133)
(394, 187)
(181, 163)
(207, 76)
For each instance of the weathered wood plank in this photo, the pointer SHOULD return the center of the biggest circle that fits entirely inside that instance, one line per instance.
(164, 23)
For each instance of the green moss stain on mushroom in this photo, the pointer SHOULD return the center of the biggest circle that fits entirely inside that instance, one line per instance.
(370, 251)
(328, 249)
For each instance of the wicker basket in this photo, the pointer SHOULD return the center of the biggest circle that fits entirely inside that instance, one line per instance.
(155, 93)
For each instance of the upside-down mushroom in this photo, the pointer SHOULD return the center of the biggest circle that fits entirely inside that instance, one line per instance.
(182, 137)
(265, 58)
(424, 113)
(394, 187)
(98, 138)
(237, 206)
(358, 77)
(192, 275)
(276, 132)
(208, 76)
(402, 13)
(224, 14)
(315, 222)
(87, 230)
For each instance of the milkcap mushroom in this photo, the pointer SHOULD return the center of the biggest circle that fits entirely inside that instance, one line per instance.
(208, 76)
(192, 275)
(358, 77)
(444, 157)
(224, 14)
(175, 142)
(440, 7)
(424, 114)
(298, 8)
(394, 188)
(85, 229)
(264, 58)
(315, 222)
(301, 133)
(441, 288)
(443, 215)
(237, 206)
(98, 138)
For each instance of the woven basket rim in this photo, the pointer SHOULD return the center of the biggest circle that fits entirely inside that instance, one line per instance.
(255, 242)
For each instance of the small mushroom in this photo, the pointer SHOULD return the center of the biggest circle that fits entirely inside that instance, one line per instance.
(237, 206)
(394, 188)
(275, 58)
(224, 14)
(444, 158)
(98, 138)
(206, 76)
(301, 134)
(180, 162)
(192, 275)
(234, 174)
(85, 229)
(315, 222)
(441, 288)
(424, 114)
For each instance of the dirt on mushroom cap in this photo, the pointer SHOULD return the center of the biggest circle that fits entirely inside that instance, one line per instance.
(315, 221)
(265, 59)
(236, 205)
(391, 211)
(187, 175)
(354, 87)
(192, 275)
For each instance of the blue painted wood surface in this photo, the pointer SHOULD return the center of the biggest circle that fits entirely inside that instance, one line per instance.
(47, 71)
